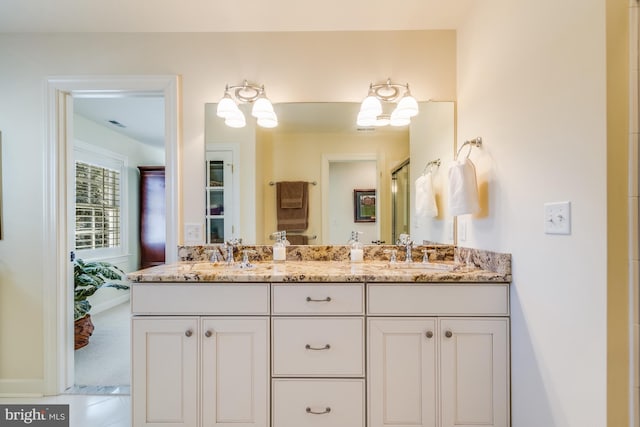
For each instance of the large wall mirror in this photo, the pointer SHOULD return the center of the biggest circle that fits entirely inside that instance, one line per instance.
(320, 143)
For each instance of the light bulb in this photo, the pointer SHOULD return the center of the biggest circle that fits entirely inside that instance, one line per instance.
(268, 121)
(408, 106)
(382, 120)
(366, 119)
(371, 105)
(226, 106)
(398, 118)
(236, 120)
(262, 107)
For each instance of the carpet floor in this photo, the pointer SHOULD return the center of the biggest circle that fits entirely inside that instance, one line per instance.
(105, 361)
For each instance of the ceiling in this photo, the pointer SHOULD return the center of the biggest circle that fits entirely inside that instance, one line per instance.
(141, 117)
(229, 16)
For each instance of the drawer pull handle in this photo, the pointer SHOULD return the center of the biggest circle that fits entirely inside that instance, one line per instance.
(188, 333)
(327, 299)
(208, 334)
(448, 334)
(429, 334)
(326, 347)
(326, 411)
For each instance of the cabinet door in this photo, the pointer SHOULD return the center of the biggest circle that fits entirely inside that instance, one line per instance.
(474, 372)
(219, 198)
(235, 372)
(402, 372)
(164, 367)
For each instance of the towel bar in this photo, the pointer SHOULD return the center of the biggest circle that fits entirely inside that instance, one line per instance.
(475, 142)
(431, 164)
(312, 183)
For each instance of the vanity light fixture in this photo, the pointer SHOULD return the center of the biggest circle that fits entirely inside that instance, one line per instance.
(262, 108)
(371, 111)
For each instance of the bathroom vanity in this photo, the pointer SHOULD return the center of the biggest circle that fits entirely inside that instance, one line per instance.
(322, 343)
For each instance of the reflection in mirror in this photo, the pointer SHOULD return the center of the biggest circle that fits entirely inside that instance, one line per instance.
(320, 142)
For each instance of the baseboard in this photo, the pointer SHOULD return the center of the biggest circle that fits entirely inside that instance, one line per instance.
(22, 388)
(106, 305)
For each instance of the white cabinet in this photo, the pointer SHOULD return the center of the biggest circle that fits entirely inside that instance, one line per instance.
(220, 213)
(164, 372)
(318, 351)
(200, 370)
(474, 372)
(402, 372)
(427, 369)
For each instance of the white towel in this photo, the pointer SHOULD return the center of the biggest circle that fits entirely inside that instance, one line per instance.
(425, 197)
(463, 188)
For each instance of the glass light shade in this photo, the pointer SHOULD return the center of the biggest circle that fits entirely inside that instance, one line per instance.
(371, 105)
(399, 119)
(408, 106)
(366, 119)
(268, 121)
(382, 120)
(226, 106)
(236, 120)
(262, 107)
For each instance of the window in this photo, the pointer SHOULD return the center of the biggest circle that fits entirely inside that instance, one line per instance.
(97, 207)
(100, 210)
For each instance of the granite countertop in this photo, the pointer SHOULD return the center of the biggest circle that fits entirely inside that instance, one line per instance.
(319, 271)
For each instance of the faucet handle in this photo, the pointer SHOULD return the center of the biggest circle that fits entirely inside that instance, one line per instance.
(425, 255)
(392, 258)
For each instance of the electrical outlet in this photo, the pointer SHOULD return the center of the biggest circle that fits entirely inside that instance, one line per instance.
(193, 233)
(557, 218)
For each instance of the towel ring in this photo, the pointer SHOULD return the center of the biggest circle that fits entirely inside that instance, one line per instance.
(475, 142)
(431, 165)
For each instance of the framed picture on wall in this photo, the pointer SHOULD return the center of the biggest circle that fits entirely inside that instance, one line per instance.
(364, 205)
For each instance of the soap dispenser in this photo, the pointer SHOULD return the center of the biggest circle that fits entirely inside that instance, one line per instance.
(357, 253)
(279, 248)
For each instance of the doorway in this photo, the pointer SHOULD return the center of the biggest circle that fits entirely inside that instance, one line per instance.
(114, 136)
(59, 334)
(341, 176)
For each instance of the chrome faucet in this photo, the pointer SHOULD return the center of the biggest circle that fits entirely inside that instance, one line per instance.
(405, 240)
(230, 246)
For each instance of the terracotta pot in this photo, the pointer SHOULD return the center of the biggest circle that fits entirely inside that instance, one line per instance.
(83, 328)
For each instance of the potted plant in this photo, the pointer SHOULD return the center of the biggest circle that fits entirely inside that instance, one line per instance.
(88, 277)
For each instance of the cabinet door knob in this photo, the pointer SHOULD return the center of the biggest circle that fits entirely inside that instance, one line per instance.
(429, 334)
(208, 334)
(326, 347)
(188, 333)
(327, 299)
(311, 411)
(448, 334)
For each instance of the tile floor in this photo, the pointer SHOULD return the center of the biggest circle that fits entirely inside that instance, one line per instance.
(86, 410)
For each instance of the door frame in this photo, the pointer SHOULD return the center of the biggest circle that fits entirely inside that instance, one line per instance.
(327, 159)
(57, 298)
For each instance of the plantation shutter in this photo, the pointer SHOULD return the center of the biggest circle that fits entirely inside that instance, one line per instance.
(97, 207)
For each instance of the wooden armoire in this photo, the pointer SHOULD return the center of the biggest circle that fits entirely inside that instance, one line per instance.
(152, 216)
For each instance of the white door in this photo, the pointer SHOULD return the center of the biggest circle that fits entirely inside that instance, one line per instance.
(474, 360)
(165, 372)
(235, 372)
(402, 372)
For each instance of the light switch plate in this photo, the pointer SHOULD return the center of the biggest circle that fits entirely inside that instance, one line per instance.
(557, 218)
(193, 233)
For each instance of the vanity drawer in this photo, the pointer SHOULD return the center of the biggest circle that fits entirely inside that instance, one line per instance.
(438, 299)
(316, 347)
(318, 403)
(201, 298)
(318, 299)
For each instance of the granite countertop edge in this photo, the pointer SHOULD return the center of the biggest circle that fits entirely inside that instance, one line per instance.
(312, 272)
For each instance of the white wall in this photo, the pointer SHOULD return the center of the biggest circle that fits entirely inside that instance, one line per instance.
(325, 69)
(344, 177)
(531, 83)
